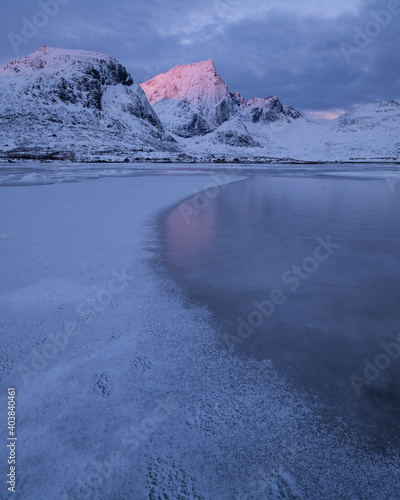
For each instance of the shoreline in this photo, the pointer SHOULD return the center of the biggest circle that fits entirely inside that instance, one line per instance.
(222, 160)
(177, 275)
(156, 158)
(50, 173)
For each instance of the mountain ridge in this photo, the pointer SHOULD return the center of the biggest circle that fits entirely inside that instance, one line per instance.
(72, 104)
(85, 106)
(210, 103)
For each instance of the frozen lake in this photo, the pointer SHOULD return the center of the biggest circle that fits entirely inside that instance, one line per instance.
(328, 251)
(120, 295)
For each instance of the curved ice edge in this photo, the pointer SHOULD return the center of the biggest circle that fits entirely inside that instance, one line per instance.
(285, 448)
(263, 435)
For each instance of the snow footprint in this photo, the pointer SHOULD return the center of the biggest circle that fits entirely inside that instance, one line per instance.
(141, 363)
(102, 384)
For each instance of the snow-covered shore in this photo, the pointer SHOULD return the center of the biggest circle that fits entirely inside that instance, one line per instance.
(124, 389)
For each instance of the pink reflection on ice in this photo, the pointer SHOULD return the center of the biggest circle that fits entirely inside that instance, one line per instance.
(189, 238)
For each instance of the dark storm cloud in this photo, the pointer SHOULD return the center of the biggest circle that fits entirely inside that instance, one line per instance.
(290, 48)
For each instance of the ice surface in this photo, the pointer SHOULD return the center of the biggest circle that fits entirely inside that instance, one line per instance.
(147, 375)
(335, 312)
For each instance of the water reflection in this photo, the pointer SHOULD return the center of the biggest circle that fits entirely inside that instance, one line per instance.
(237, 250)
(190, 233)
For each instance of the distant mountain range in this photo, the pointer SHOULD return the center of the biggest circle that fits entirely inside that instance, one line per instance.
(84, 106)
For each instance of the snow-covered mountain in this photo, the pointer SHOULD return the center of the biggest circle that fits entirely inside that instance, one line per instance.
(193, 100)
(265, 110)
(369, 117)
(84, 106)
(370, 131)
(74, 104)
(196, 106)
(181, 118)
(199, 85)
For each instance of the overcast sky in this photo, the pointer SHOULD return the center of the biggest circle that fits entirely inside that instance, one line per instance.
(291, 48)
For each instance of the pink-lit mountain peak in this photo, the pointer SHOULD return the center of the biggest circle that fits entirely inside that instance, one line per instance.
(207, 65)
(197, 83)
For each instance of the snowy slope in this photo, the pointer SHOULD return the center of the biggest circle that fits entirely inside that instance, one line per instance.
(84, 106)
(181, 117)
(369, 117)
(233, 133)
(197, 84)
(370, 131)
(195, 105)
(193, 100)
(74, 104)
(265, 110)
(367, 132)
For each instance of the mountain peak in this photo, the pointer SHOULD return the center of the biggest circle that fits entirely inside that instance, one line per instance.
(84, 98)
(52, 62)
(369, 116)
(206, 65)
(197, 83)
(50, 59)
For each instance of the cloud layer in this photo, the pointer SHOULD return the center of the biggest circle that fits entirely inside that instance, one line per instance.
(320, 57)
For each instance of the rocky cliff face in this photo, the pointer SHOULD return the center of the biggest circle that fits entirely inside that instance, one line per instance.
(195, 105)
(84, 106)
(72, 103)
(265, 110)
(197, 84)
(181, 118)
(193, 100)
